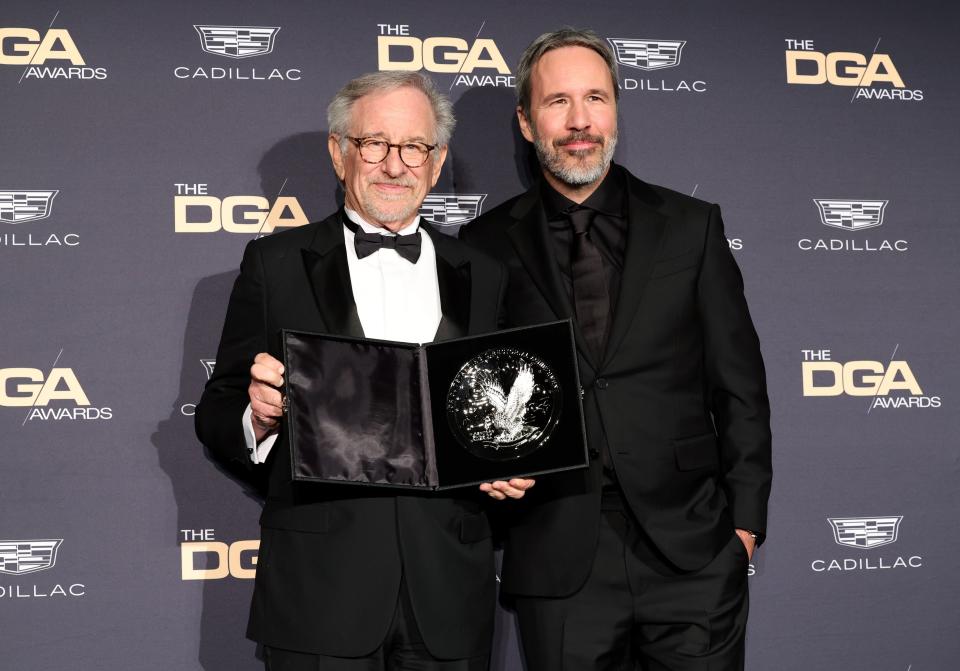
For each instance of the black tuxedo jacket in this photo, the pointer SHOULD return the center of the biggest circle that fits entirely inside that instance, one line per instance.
(331, 556)
(679, 396)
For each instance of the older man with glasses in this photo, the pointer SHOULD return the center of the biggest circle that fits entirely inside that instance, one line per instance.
(350, 578)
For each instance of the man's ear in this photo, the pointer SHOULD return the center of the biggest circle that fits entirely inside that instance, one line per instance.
(524, 124)
(438, 164)
(336, 155)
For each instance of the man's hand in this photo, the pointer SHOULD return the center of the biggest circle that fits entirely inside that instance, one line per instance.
(501, 489)
(749, 542)
(266, 403)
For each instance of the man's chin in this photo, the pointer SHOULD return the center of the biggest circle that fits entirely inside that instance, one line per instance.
(584, 165)
(386, 215)
(579, 174)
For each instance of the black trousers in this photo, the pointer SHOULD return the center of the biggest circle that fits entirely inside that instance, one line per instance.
(637, 612)
(403, 649)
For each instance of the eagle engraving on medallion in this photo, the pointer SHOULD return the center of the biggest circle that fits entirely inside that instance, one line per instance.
(503, 403)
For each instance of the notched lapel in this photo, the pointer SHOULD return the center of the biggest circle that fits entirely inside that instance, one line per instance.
(531, 241)
(644, 237)
(325, 263)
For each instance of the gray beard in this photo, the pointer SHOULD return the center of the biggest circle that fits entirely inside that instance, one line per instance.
(389, 217)
(552, 160)
(383, 216)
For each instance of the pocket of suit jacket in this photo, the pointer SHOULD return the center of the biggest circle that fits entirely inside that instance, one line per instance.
(696, 452)
(676, 264)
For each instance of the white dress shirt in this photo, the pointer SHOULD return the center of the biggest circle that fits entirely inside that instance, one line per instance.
(396, 300)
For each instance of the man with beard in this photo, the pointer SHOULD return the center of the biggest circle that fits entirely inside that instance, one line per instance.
(353, 578)
(642, 559)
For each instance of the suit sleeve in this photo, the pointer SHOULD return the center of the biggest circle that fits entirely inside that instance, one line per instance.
(737, 390)
(219, 415)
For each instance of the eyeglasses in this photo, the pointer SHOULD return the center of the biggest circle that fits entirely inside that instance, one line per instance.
(375, 150)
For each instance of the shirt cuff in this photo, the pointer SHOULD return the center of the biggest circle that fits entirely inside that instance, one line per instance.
(257, 453)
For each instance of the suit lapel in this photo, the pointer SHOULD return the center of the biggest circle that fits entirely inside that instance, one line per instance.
(325, 262)
(454, 280)
(531, 240)
(644, 234)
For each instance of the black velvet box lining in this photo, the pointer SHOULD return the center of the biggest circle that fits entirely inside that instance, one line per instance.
(373, 412)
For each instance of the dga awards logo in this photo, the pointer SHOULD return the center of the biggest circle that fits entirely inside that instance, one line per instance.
(852, 217)
(865, 533)
(190, 409)
(25, 557)
(45, 54)
(25, 207)
(195, 210)
(202, 557)
(54, 396)
(887, 385)
(873, 76)
(472, 62)
(452, 209)
(653, 56)
(237, 43)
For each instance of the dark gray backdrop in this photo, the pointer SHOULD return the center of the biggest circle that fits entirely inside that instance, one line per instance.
(106, 303)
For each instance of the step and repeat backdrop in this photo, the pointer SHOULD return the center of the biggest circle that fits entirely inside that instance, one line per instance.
(142, 145)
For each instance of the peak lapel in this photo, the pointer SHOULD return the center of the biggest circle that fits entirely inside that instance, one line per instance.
(325, 262)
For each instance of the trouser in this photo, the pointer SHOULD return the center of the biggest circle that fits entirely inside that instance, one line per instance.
(637, 612)
(402, 650)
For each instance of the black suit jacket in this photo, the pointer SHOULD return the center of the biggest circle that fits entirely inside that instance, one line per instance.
(331, 556)
(679, 396)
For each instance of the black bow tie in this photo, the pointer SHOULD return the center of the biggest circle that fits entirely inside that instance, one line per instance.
(407, 246)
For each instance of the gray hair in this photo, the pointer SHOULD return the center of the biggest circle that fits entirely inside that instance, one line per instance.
(565, 37)
(340, 110)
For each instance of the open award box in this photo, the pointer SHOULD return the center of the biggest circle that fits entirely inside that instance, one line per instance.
(435, 416)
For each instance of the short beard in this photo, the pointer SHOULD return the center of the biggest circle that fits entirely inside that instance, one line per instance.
(552, 158)
(383, 216)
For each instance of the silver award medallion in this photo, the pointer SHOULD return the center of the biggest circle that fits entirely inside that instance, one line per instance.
(503, 403)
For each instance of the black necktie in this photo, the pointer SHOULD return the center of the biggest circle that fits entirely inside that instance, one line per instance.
(591, 296)
(407, 246)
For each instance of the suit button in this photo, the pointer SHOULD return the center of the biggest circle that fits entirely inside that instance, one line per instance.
(593, 452)
(601, 383)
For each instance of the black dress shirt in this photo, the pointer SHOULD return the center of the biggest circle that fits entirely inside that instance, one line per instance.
(608, 230)
(609, 233)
